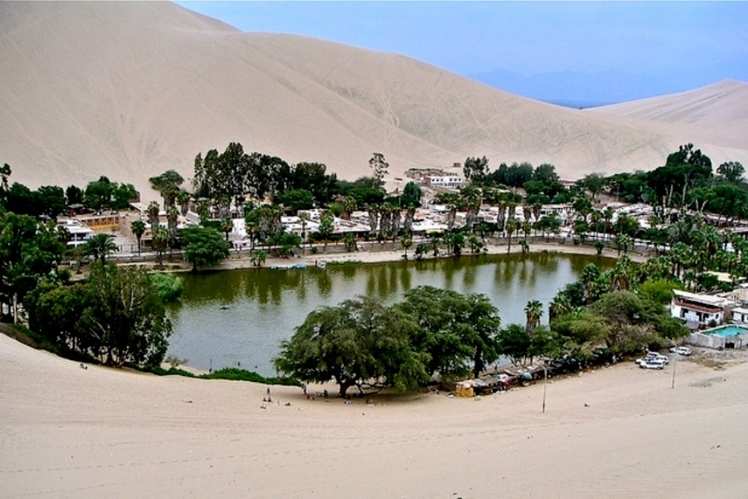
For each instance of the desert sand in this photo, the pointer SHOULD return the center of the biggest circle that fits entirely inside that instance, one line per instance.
(132, 89)
(614, 432)
(702, 112)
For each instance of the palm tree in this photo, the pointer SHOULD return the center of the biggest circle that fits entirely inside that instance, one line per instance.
(304, 219)
(406, 242)
(372, 210)
(620, 275)
(99, 246)
(596, 217)
(5, 172)
(526, 214)
(455, 241)
(434, 240)
(138, 228)
(471, 201)
(153, 215)
(183, 198)
(452, 201)
(511, 226)
(159, 242)
(172, 222)
(533, 312)
(349, 240)
(385, 220)
(349, 206)
(476, 245)
(599, 247)
(561, 305)
(258, 258)
(623, 243)
(607, 217)
(526, 228)
(227, 225)
(326, 228)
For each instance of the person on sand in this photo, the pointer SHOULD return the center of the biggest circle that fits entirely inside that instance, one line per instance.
(268, 395)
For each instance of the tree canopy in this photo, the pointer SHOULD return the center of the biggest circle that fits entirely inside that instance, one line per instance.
(204, 246)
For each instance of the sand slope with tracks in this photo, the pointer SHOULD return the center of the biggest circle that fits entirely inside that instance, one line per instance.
(131, 89)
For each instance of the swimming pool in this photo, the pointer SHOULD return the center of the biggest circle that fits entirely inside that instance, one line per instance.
(727, 331)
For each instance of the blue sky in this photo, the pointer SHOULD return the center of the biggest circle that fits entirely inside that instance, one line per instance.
(570, 52)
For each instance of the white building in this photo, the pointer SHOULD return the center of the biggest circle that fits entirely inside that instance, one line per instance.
(445, 181)
(562, 210)
(698, 310)
(740, 315)
(79, 232)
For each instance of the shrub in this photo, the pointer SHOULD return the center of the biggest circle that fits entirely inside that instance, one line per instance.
(168, 286)
(235, 374)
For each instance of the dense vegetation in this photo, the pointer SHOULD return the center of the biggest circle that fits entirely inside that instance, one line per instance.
(228, 373)
(365, 344)
(116, 316)
(361, 342)
(51, 200)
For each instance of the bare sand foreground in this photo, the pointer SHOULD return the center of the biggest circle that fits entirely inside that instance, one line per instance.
(69, 432)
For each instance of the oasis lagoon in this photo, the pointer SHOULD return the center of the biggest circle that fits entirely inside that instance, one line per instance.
(239, 317)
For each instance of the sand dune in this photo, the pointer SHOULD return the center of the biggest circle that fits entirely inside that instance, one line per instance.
(717, 112)
(131, 89)
(68, 432)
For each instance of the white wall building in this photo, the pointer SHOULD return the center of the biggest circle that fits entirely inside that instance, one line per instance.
(79, 232)
(446, 181)
(740, 315)
(698, 310)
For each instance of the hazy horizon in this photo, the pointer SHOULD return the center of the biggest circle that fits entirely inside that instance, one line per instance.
(577, 54)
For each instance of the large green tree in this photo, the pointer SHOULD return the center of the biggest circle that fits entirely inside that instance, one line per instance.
(358, 343)
(124, 317)
(204, 246)
(457, 331)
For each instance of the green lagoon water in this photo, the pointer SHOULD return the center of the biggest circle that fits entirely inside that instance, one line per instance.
(241, 316)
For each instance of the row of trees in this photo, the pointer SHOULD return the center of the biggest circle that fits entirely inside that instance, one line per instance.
(51, 200)
(687, 180)
(116, 316)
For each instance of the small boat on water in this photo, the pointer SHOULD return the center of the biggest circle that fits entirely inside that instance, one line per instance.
(321, 264)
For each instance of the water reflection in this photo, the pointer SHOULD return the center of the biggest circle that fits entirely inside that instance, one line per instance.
(242, 315)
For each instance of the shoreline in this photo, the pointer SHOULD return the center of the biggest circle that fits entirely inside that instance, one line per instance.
(393, 256)
(242, 261)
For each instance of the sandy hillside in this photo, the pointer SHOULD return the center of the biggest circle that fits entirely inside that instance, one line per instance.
(130, 90)
(68, 432)
(717, 112)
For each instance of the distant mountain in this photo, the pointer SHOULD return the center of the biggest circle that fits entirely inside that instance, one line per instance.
(592, 89)
(131, 89)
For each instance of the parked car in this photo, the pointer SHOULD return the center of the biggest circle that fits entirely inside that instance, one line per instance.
(657, 356)
(685, 351)
(652, 364)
